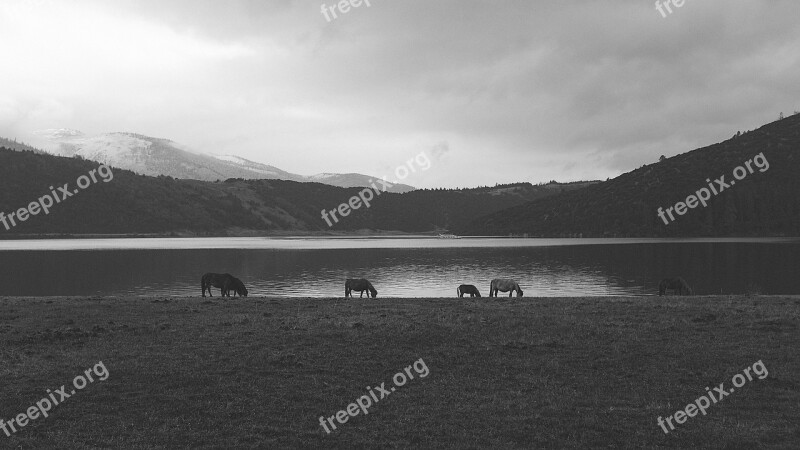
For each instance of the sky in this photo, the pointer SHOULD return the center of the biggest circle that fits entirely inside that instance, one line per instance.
(497, 91)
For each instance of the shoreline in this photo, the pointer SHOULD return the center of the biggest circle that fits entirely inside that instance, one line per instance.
(501, 298)
(368, 234)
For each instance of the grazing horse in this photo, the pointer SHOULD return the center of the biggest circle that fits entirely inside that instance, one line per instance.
(361, 285)
(468, 289)
(678, 285)
(237, 287)
(223, 281)
(502, 285)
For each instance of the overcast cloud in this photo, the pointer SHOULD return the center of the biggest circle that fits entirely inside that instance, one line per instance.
(499, 91)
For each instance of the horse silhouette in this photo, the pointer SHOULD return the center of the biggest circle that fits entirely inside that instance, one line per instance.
(225, 282)
(237, 287)
(360, 285)
(468, 289)
(503, 285)
(678, 285)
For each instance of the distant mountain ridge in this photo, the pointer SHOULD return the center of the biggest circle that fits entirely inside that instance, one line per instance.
(163, 157)
(136, 204)
(761, 204)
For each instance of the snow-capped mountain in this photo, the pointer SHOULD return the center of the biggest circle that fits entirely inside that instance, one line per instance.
(155, 156)
(267, 171)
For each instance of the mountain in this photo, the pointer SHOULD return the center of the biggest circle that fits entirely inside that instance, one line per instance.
(332, 179)
(18, 146)
(356, 180)
(764, 202)
(155, 157)
(129, 203)
(267, 172)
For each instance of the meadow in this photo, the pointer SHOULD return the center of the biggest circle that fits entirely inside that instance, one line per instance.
(253, 372)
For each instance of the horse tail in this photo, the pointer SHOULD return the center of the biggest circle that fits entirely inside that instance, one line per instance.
(458, 291)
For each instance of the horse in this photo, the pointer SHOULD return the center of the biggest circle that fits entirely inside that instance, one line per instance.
(237, 287)
(223, 281)
(499, 284)
(468, 289)
(678, 285)
(360, 285)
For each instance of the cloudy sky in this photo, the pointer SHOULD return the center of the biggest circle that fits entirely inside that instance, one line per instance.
(493, 91)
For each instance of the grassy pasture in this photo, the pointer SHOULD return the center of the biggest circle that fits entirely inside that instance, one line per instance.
(504, 373)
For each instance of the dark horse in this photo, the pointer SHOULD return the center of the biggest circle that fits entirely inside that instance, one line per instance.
(502, 285)
(359, 285)
(468, 289)
(678, 285)
(237, 287)
(226, 282)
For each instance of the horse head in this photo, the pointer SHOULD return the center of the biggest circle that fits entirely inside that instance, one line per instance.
(238, 287)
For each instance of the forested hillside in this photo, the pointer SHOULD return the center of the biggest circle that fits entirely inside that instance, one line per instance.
(136, 204)
(761, 204)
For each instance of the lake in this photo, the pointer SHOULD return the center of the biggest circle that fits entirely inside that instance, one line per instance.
(398, 266)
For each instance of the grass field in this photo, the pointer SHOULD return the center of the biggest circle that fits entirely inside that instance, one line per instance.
(503, 373)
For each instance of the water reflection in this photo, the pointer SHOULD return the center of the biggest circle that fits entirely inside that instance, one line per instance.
(412, 270)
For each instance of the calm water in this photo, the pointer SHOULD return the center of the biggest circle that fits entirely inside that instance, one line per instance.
(399, 267)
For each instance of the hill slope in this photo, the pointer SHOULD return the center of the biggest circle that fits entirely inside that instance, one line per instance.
(762, 203)
(131, 203)
(18, 146)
